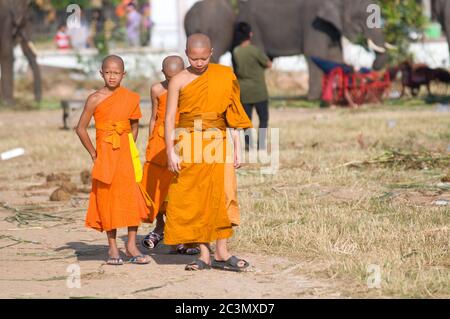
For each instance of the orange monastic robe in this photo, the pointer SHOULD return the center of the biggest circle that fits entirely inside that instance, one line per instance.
(116, 200)
(199, 203)
(157, 177)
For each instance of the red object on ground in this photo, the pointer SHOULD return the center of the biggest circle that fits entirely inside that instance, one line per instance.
(361, 87)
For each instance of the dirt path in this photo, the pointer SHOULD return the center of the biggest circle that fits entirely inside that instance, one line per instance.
(40, 239)
(37, 261)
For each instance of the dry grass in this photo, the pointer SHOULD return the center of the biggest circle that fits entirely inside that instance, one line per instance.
(340, 219)
(344, 218)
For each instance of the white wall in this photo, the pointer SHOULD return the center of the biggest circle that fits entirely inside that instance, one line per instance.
(168, 16)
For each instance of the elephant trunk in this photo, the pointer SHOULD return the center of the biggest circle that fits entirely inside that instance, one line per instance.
(381, 58)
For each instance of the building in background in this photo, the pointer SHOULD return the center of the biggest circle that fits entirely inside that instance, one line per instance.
(168, 18)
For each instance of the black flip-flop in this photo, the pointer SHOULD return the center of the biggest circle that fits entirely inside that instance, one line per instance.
(230, 265)
(196, 265)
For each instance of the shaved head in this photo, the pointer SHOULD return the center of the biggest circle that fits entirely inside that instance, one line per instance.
(173, 64)
(198, 41)
(113, 59)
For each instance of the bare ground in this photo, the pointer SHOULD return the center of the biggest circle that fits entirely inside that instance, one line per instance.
(41, 240)
(310, 231)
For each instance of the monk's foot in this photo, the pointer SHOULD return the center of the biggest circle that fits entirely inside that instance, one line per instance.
(133, 251)
(114, 257)
(140, 260)
(198, 264)
(114, 252)
(221, 256)
(136, 257)
(233, 263)
(184, 250)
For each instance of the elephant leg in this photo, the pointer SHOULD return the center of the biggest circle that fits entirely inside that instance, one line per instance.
(7, 61)
(7, 80)
(31, 57)
(315, 80)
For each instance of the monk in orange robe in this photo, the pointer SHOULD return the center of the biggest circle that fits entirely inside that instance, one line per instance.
(117, 200)
(207, 98)
(157, 177)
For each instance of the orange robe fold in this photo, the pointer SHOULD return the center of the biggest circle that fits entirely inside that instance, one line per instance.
(157, 177)
(202, 200)
(116, 199)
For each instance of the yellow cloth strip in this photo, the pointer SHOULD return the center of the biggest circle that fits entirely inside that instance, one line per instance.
(138, 170)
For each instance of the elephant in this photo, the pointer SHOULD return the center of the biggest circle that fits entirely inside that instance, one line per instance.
(15, 29)
(292, 27)
(214, 18)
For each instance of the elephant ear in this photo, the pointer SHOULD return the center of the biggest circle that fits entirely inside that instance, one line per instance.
(331, 12)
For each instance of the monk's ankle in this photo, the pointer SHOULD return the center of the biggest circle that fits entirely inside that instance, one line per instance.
(222, 257)
(114, 252)
(132, 249)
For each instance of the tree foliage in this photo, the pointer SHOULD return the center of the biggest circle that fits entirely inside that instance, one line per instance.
(85, 4)
(402, 19)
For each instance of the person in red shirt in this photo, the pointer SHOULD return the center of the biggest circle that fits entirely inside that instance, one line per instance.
(62, 39)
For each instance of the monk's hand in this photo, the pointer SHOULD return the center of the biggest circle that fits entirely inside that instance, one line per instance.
(236, 149)
(94, 156)
(174, 162)
(237, 158)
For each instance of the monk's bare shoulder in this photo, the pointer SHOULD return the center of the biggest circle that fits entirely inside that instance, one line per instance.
(94, 99)
(157, 90)
(180, 80)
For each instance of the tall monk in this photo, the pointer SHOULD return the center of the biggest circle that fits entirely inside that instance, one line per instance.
(207, 98)
(157, 177)
(117, 200)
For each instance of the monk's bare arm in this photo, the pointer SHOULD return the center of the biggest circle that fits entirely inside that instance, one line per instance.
(134, 128)
(237, 148)
(154, 96)
(169, 127)
(83, 124)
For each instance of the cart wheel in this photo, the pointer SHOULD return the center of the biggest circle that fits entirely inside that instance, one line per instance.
(336, 78)
(357, 88)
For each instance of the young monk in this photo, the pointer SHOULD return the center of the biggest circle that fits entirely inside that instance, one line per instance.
(197, 207)
(157, 177)
(117, 199)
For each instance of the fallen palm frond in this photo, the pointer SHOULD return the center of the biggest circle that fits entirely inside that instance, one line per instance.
(29, 217)
(16, 240)
(406, 160)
